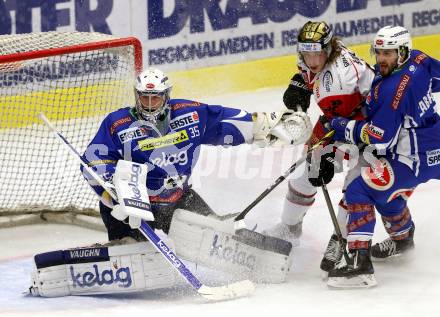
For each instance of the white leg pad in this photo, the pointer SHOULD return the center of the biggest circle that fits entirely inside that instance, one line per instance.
(214, 243)
(101, 270)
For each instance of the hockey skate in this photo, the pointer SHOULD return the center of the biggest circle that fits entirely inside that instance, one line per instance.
(389, 248)
(290, 233)
(333, 254)
(358, 273)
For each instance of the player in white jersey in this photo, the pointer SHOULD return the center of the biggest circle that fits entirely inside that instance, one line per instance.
(339, 81)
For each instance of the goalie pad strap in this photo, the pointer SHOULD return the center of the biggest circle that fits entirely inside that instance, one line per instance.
(260, 241)
(74, 256)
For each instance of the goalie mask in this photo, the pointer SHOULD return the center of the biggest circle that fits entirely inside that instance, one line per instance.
(152, 92)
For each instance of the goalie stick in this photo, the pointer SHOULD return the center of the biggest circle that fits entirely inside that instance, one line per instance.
(216, 293)
(238, 218)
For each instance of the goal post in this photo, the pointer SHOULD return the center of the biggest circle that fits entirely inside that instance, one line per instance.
(75, 78)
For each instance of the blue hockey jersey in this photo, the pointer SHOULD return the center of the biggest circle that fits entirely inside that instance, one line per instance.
(402, 114)
(170, 148)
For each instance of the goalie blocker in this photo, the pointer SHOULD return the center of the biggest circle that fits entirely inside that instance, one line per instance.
(211, 242)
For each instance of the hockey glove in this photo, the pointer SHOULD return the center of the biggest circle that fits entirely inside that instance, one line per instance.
(281, 128)
(297, 95)
(344, 129)
(339, 124)
(322, 170)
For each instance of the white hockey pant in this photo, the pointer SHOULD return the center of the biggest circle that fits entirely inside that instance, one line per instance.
(301, 196)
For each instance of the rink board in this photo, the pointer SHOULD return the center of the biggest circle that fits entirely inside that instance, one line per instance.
(264, 73)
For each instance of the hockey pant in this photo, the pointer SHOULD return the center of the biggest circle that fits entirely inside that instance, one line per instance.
(301, 195)
(386, 186)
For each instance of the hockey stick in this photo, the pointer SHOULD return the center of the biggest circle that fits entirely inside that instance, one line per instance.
(335, 222)
(278, 181)
(238, 289)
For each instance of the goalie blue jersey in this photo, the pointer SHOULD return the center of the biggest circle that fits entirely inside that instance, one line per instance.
(170, 147)
(402, 114)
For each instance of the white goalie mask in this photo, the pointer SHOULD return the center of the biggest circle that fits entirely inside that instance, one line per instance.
(394, 37)
(152, 92)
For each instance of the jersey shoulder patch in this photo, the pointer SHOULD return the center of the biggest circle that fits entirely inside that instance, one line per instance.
(418, 57)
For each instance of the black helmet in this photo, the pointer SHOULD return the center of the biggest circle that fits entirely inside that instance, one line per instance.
(315, 37)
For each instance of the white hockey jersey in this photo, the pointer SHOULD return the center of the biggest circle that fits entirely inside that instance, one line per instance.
(341, 86)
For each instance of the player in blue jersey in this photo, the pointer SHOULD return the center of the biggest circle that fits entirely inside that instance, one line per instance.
(147, 152)
(402, 138)
(166, 134)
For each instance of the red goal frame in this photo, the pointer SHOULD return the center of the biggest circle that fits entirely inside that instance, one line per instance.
(20, 56)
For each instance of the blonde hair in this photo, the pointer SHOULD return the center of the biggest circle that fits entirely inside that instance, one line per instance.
(336, 49)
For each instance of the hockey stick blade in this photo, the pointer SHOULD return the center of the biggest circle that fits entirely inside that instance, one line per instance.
(231, 291)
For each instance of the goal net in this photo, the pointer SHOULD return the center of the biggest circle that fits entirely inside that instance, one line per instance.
(75, 79)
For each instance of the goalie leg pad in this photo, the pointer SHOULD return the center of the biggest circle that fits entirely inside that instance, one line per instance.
(214, 243)
(100, 270)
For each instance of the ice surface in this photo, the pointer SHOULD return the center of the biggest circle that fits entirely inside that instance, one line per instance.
(229, 179)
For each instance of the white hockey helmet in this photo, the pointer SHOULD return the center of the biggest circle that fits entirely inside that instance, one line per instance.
(152, 82)
(394, 37)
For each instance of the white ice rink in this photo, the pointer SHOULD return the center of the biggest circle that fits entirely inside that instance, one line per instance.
(229, 179)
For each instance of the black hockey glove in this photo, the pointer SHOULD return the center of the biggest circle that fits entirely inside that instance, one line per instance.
(323, 173)
(297, 95)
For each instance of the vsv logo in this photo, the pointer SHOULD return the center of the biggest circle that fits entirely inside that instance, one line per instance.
(232, 253)
(122, 277)
(134, 181)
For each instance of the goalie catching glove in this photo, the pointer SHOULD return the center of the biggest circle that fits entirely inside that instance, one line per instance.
(281, 128)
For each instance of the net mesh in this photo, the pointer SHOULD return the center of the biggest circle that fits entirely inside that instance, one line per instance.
(75, 91)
